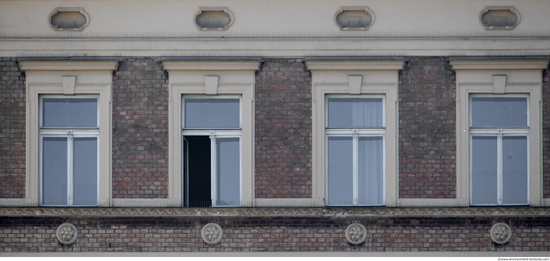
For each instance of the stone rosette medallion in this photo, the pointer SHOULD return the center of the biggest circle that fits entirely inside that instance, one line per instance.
(501, 233)
(356, 233)
(66, 233)
(212, 233)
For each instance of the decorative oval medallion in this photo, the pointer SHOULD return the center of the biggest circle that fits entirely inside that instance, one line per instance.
(212, 233)
(501, 233)
(356, 233)
(66, 233)
(499, 17)
(354, 18)
(69, 19)
(213, 18)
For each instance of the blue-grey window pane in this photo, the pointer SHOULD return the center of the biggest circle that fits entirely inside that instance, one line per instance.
(499, 112)
(484, 170)
(514, 170)
(355, 112)
(228, 172)
(340, 171)
(54, 171)
(70, 112)
(371, 172)
(212, 113)
(85, 171)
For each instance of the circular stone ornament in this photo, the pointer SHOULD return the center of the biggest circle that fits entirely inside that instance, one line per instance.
(501, 233)
(212, 233)
(356, 233)
(66, 233)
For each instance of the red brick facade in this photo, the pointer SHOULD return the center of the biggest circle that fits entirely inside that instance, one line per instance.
(283, 129)
(140, 129)
(271, 234)
(427, 123)
(12, 135)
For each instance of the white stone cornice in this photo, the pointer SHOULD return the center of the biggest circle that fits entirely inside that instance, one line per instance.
(499, 65)
(510, 212)
(354, 65)
(68, 65)
(211, 66)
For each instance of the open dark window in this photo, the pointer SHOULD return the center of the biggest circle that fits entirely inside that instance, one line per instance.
(211, 152)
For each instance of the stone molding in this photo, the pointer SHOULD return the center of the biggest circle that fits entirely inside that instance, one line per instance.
(501, 233)
(356, 233)
(212, 233)
(78, 10)
(66, 233)
(278, 212)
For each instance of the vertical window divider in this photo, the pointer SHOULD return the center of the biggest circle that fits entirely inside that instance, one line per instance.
(499, 167)
(70, 167)
(355, 145)
(213, 168)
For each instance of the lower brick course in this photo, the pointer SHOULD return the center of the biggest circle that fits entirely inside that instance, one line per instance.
(272, 234)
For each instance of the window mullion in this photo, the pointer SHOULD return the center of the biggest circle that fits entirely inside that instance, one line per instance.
(213, 169)
(499, 167)
(70, 166)
(355, 167)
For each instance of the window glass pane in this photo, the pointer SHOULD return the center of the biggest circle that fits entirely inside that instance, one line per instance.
(211, 113)
(499, 111)
(70, 112)
(228, 172)
(54, 171)
(371, 178)
(85, 171)
(514, 170)
(355, 112)
(340, 171)
(484, 170)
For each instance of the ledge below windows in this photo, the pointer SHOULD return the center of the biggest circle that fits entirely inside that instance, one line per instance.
(277, 212)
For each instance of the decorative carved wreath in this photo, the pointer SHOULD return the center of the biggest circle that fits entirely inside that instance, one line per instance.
(66, 233)
(501, 233)
(356, 233)
(212, 233)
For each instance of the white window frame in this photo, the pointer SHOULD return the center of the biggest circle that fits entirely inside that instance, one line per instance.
(355, 133)
(208, 79)
(499, 78)
(67, 79)
(498, 132)
(214, 133)
(355, 79)
(70, 133)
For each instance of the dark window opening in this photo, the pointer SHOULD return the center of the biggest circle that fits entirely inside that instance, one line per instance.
(197, 171)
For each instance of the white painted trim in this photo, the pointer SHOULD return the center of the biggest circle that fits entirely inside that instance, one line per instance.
(378, 78)
(142, 202)
(67, 66)
(211, 66)
(51, 83)
(289, 202)
(523, 77)
(188, 78)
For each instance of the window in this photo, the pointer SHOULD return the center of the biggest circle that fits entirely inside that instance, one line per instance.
(69, 134)
(355, 132)
(211, 151)
(355, 151)
(68, 138)
(499, 134)
(211, 134)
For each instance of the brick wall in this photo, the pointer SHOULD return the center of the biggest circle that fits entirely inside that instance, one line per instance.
(272, 234)
(140, 129)
(12, 134)
(427, 140)
(283, 129)
(546, 132)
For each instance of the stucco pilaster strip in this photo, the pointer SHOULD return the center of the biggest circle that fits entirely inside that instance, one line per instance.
(274, 212)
